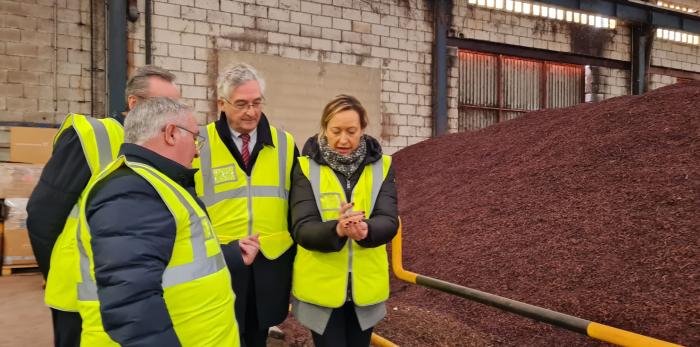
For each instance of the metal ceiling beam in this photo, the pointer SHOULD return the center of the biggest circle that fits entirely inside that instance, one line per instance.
(635, 11)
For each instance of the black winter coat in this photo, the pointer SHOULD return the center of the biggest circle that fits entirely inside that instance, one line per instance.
(308, 229)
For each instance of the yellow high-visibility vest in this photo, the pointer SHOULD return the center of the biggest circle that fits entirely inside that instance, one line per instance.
(321, 278)
(196, 283)
(240, 205)
(100, 140)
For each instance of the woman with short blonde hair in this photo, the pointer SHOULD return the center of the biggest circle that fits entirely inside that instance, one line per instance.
(344, 212)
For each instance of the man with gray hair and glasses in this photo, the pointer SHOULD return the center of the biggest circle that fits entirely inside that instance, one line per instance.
(81, 149)
(244, 180)
(152, 271)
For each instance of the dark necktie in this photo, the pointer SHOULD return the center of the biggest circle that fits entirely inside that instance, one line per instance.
(244, 149)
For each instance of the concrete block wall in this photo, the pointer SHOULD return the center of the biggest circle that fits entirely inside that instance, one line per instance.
(535, 32)
(45, 60)
(604, 83)
(675, 55)
(394, 36)
(657, 81)
(453, 90)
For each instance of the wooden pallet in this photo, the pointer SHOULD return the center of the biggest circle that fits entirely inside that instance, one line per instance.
(8, 270)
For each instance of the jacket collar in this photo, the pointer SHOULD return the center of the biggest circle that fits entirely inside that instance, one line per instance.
(176, 172)
(313, 151)
(264, 134)
(119, 117)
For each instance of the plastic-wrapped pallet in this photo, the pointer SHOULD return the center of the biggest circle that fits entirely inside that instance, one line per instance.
(18, 180)
(17, 250)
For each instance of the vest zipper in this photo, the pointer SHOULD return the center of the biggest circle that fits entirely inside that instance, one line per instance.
(350, 253)
(250, 207)
(346, 192)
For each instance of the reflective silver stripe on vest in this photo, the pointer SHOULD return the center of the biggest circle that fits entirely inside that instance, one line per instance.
(210, 198)
(87, 289)
(282, 161)
(242, 192)
(104, 147)
(191, 271)
(75, 211)
(201, 265)
(207, 170)
(377, 180)
(199, 250)
(315, 180)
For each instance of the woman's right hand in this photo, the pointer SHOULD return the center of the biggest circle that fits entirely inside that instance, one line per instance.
(345, 217)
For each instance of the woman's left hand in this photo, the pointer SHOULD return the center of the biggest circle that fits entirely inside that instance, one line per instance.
(357, 230)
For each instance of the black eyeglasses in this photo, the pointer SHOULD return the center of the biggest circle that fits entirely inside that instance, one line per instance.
(198, 139)
(241, 105)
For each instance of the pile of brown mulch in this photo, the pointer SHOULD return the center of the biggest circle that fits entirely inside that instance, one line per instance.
(592, 210)
(295, 335)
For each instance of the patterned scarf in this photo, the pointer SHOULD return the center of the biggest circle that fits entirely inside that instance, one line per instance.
(345, 164)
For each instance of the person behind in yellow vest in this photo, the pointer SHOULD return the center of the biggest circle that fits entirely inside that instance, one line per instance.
(81, 149)
(343, 214)
(151, 268)
(244, 180)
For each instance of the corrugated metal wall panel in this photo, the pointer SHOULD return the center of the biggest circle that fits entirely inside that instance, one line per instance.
(508, 115)
(564, 85)
(524, 86)
(475, 119)
(478, 79)
(522, 81)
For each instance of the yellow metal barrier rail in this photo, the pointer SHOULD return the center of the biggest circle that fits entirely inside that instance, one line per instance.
(381, 342)
(595, 330)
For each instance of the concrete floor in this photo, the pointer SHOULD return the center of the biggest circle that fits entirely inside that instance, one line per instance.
(24, 320)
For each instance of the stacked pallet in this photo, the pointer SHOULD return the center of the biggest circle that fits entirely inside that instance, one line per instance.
(22, 154)
(17, 180)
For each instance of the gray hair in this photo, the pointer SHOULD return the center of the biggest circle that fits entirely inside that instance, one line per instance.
(137, 85)
(235, 76)
(148, 118)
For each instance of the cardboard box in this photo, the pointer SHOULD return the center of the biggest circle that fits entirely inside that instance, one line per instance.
(18, 180)
(31, 145)
(16, 248)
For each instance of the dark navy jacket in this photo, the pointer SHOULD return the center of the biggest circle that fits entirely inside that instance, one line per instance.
(133, 234)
